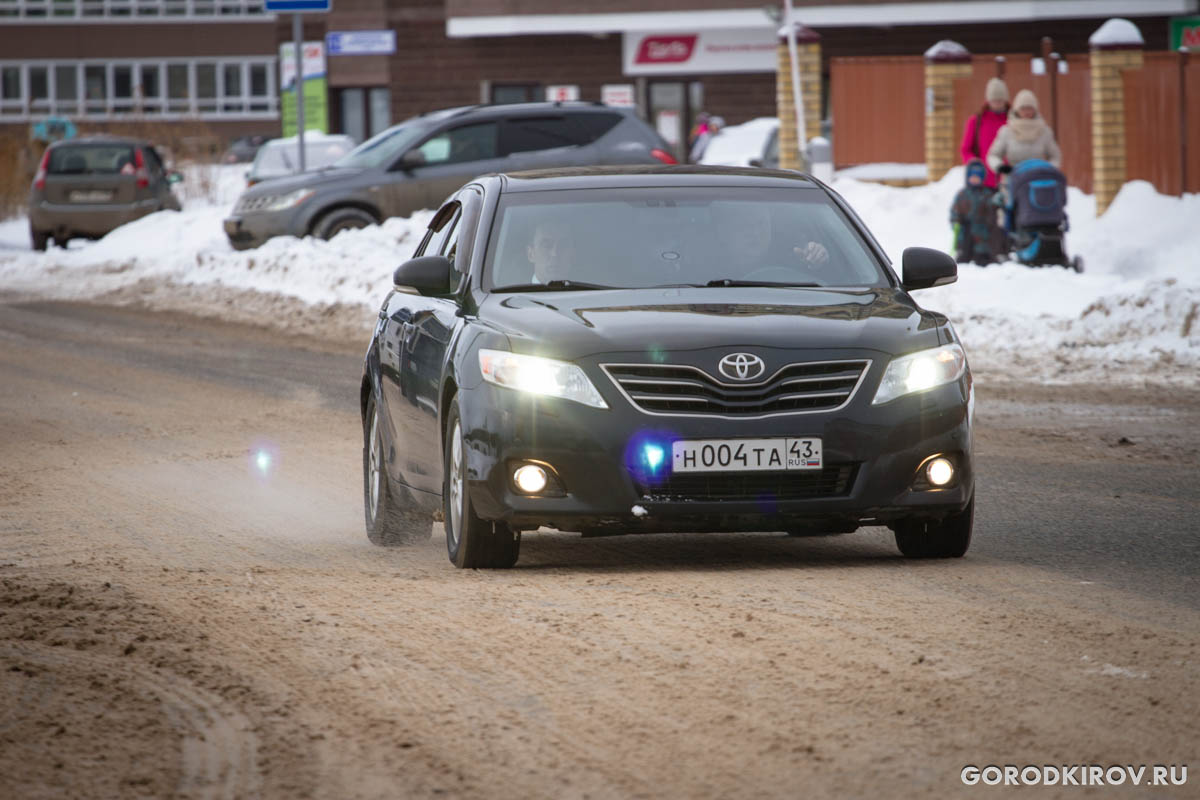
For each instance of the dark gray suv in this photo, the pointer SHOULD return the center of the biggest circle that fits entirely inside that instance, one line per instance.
(421, 161)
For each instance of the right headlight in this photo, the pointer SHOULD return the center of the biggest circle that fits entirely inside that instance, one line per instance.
(537, 375)
(921, 371)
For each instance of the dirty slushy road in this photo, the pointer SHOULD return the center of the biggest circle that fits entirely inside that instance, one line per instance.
(177, 621)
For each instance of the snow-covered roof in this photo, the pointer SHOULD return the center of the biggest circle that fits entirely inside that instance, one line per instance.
(1116, 31)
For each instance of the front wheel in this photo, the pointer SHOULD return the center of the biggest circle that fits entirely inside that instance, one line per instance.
(342, 219)
(388, 524)
(471, 542)
(946, 538)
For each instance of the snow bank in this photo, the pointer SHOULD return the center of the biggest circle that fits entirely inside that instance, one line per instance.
(1132, 317)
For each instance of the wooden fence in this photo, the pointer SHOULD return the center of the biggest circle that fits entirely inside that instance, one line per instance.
(878, 110)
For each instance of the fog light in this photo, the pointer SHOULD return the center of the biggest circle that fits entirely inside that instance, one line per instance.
(939, 471)
(530, 478)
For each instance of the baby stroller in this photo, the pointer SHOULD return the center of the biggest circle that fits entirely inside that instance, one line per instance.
(1036, 215)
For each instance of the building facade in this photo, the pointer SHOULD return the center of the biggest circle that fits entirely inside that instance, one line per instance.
(107, 62)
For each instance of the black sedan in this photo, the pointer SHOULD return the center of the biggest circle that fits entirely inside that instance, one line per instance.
(637, 350)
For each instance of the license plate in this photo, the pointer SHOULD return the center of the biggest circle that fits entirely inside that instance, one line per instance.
(92, 196)
(746, 455)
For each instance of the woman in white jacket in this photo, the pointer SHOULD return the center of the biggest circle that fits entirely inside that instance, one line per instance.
(1026, 135)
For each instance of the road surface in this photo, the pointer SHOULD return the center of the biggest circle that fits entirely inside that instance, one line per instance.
(189, 605)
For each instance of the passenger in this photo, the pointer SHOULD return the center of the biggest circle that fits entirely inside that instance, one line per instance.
(551, 252)
(746, 235)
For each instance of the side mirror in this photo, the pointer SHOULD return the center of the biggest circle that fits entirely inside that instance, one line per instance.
(174, 177)
(412, 159)
(924, 267)
(429, 275)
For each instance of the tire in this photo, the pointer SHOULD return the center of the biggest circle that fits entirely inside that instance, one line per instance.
(388, 525)
(471, 543)
(946, 538)
(40, 239)
(343, 219)
(1077, 264)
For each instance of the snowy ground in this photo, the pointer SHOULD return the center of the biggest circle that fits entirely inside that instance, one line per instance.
(1131, 318)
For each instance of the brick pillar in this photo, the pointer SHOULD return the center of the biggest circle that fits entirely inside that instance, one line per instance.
(808, 62)
(945, 62)
(1115, 47)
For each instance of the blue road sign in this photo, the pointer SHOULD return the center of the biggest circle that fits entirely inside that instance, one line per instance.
(281, 6)
(360, 43)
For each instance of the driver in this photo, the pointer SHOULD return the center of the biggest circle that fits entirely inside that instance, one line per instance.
(551, 251)
(746, 233)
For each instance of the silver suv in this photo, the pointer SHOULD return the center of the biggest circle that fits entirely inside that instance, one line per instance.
(418, 163)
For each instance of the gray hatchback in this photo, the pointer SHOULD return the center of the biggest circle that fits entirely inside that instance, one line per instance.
(418, 163)
(89, 186)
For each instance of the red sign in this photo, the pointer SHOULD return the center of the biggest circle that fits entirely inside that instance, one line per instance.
(665, 49)
(1191, 37)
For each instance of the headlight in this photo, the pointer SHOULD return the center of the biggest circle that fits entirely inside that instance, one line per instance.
(273, 202)
(281, 201)
(917, 372)
(538, 375)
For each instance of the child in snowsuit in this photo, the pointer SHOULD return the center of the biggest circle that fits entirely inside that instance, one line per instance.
(973, 217)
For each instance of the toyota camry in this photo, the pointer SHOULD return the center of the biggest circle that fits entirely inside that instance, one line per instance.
(662, 349)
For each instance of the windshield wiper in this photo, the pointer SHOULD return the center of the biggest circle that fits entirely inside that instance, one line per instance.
(735, 282)
(552, 286)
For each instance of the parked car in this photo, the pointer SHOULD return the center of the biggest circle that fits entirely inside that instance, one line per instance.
(89, 186)
(751, 144)
(640, 349)
(416, 164)
(281, 157)
(243, 149)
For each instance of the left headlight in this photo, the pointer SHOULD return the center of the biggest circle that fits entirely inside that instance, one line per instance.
(538, 375)
(282, 201)
(917, 372)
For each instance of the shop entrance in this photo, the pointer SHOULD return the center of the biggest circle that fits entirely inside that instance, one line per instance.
(673, 105)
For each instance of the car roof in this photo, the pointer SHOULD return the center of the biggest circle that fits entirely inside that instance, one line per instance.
(102, 139)
(651, 175)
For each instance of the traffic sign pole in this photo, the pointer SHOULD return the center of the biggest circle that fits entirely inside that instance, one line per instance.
(298, 41)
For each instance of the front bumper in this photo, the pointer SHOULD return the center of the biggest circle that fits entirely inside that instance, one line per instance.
(246, 231)
(878, 450)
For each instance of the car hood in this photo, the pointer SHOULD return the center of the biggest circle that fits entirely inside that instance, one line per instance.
(575, 325)
(305, 180)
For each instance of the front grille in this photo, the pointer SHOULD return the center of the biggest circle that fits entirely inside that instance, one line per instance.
(682, 390)
(834, 480)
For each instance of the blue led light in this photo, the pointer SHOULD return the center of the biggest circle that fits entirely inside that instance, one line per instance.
(653, 455)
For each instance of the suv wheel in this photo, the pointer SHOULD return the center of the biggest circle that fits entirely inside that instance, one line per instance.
(946, 538)
(40, 238)
(343, 219)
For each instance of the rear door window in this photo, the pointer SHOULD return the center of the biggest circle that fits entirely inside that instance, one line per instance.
(524, 134)
(91, 160)
(593, 125)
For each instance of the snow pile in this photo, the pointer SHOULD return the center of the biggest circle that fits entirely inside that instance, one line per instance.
(1133, 316)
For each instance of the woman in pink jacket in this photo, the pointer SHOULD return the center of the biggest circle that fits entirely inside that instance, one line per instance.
(981, 128)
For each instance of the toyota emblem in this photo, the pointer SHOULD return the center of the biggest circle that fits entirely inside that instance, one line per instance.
(741, 366)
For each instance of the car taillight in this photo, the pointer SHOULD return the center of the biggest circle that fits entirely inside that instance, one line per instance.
(143, 177)
(663, 156)
(39, 180)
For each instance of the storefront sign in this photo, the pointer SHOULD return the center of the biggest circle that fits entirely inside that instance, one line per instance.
(620, 95)
(361, 43)
(1185, 32)
(316, 111)
(560, 94)
(716, 51)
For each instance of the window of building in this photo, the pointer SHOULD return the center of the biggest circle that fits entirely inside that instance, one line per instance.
(363, 112)
(213, 89)
(516, 93)
(139, 10)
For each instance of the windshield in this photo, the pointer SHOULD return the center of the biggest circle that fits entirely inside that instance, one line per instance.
(109, 159)
(383, 148)
(283, 158)
(695, 236)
